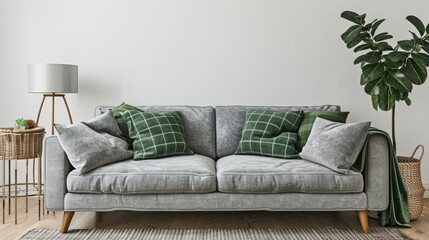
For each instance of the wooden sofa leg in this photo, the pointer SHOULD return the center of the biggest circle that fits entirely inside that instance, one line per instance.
(363, 219)
(67, 217)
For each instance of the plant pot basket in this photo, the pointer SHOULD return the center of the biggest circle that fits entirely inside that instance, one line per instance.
(410, 171)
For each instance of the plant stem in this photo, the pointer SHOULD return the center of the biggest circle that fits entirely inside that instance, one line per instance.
(393, 109)
(393, 129)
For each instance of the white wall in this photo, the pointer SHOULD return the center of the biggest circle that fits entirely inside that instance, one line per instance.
(200, 52)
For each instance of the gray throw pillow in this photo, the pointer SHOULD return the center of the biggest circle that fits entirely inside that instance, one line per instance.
(335, 145)
(87, 149)
(105, 123)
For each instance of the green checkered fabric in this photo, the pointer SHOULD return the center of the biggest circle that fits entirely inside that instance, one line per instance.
(117, 113)
(308, 121)
(156, 135)
(270, 134)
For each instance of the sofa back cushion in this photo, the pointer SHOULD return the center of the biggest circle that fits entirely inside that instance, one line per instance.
(199, 123)
(230, 121)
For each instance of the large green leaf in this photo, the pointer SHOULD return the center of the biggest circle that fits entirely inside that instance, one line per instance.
(352, 16)
(415, 37)
(382, 36)
(421, 58)
(425, 58)
(373, 57)
(397, 56)
(351, 33)
(425, 48)
(417, 23)
(415, 72)
(362, 47)
(407, 45)
(396, 79)
(383, 46)
(357, 40)
(374, 100)
(427, 29)
(359, 59)
(386, 100)
(372, 72)
(392, 64)
(376, 25)
(374, 87)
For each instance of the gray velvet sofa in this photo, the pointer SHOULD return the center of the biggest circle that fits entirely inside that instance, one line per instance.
(214, 179)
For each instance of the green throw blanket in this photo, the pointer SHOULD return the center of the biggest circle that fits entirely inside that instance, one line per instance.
(397, 211)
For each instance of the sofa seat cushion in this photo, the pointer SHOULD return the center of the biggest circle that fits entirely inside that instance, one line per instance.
(258, 174)
(178, 174)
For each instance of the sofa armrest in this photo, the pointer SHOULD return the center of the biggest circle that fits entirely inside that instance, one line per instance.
(56, 168)
(377, 173)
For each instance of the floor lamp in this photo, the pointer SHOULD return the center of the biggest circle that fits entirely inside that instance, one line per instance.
(53, 80)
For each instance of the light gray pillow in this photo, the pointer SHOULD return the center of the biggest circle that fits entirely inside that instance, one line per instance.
(105, 123)
(87, 149)
(335, 145)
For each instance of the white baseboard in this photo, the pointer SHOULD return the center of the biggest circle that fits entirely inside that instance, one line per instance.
(426, 186)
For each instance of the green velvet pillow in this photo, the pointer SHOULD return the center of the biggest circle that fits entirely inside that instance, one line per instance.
(308, 121)
(272, 134)
(117, 113)
(156, 135)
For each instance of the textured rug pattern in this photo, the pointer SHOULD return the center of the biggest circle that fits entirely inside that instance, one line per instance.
(215, 234)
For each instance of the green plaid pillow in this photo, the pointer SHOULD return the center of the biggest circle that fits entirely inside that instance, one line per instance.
(270, 134)
(156, 135)
(117, 113)
(308, 121)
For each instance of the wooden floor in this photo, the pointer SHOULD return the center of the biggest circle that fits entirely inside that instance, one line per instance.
(419, 230)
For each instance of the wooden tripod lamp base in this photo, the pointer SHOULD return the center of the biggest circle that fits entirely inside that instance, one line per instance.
(53, 95)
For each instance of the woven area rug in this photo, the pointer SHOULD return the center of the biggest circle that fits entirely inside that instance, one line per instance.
(215, 234)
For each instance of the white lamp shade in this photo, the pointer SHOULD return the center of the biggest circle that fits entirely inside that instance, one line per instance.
(52, 78)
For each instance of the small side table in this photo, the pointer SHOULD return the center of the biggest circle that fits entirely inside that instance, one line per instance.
(21, 145)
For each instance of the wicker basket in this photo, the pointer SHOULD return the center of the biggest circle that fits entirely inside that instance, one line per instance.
(410, 170)
(21, 144)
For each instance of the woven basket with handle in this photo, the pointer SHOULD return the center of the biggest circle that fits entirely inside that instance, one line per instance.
(410, 170)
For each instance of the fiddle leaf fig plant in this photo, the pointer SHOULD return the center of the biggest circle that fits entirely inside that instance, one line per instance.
(388, 73)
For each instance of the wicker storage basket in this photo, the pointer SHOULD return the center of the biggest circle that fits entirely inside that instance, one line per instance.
(410, 170)
(21, 144)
